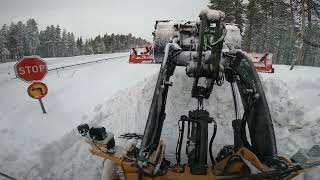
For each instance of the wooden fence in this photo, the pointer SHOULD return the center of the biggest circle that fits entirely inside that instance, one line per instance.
(9, 58)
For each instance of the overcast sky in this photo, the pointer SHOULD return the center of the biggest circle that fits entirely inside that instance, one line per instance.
(89, 18)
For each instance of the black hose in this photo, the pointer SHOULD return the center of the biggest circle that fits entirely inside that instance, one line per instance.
(179, 143)
(248, 106)
(234, 100)
(211, 141)
(188, 136)
(244, 139)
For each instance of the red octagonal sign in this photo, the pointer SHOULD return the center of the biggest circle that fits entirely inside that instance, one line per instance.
(31, 68)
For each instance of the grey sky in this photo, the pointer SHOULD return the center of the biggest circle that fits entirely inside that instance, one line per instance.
(92, 17)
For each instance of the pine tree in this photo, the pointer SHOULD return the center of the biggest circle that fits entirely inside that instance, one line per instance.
(57, 40)
(32, 37)
(46, 42)
(88, 49)
(234, 10)
(3, 43)
(98, 45)
(252, 14)
(311, 38)
(64, 44)
(71, 44)
(41, 50)
(51, 40)
(12, 39)
(3, 40)
(80, 45)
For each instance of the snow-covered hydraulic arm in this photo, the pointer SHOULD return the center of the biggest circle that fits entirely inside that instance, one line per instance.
(205, 61)
(199, 47)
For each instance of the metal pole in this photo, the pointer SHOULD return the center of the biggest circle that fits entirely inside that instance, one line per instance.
(42, 107)
(58, 73)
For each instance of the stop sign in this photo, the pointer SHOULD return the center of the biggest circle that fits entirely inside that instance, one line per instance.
(31, 68)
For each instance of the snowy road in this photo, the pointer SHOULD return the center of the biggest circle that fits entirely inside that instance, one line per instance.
(117, 95)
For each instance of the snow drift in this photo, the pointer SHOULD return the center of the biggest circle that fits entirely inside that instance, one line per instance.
(68, 158)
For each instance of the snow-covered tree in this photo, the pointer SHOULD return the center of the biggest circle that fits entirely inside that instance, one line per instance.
(98, 45)
(3, 39)
(16, 39)
(3, 43)
(64, 43)
(88, 49)
(57, 40)
(32, 37)
(71, 44)
(25, 39)
(79, 43)
(234, 10)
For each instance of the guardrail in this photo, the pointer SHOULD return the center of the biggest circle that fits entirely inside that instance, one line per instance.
(90, 62)
(83, 63)
(7, 177)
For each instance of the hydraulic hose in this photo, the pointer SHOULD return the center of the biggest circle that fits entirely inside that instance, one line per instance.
(211, 142)
(235, 102)
(179, 143)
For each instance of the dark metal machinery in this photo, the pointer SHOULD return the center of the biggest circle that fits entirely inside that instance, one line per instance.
(198, 46)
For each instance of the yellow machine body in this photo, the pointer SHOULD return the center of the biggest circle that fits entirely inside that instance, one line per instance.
(228, 168)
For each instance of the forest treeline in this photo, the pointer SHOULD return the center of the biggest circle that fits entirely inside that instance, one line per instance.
(290, 29)
(23, 39)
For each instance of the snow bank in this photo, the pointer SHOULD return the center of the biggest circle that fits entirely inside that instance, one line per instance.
(127, 112)
(296, 125)
(69, 157)
(293, 98)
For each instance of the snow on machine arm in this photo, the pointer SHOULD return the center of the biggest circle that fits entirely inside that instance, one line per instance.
(199, 46)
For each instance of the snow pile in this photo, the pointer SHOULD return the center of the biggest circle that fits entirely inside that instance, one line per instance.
(293, 98)
(127, 112)
(294, 103)
(69, 158)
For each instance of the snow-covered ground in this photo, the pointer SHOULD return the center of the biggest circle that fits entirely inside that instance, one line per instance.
(117, 95)
(25, 130)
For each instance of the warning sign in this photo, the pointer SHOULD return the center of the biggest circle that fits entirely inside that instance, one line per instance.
(37, 90)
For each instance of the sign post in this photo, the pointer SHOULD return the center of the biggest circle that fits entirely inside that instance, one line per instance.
(31, 69)
(42, 107)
